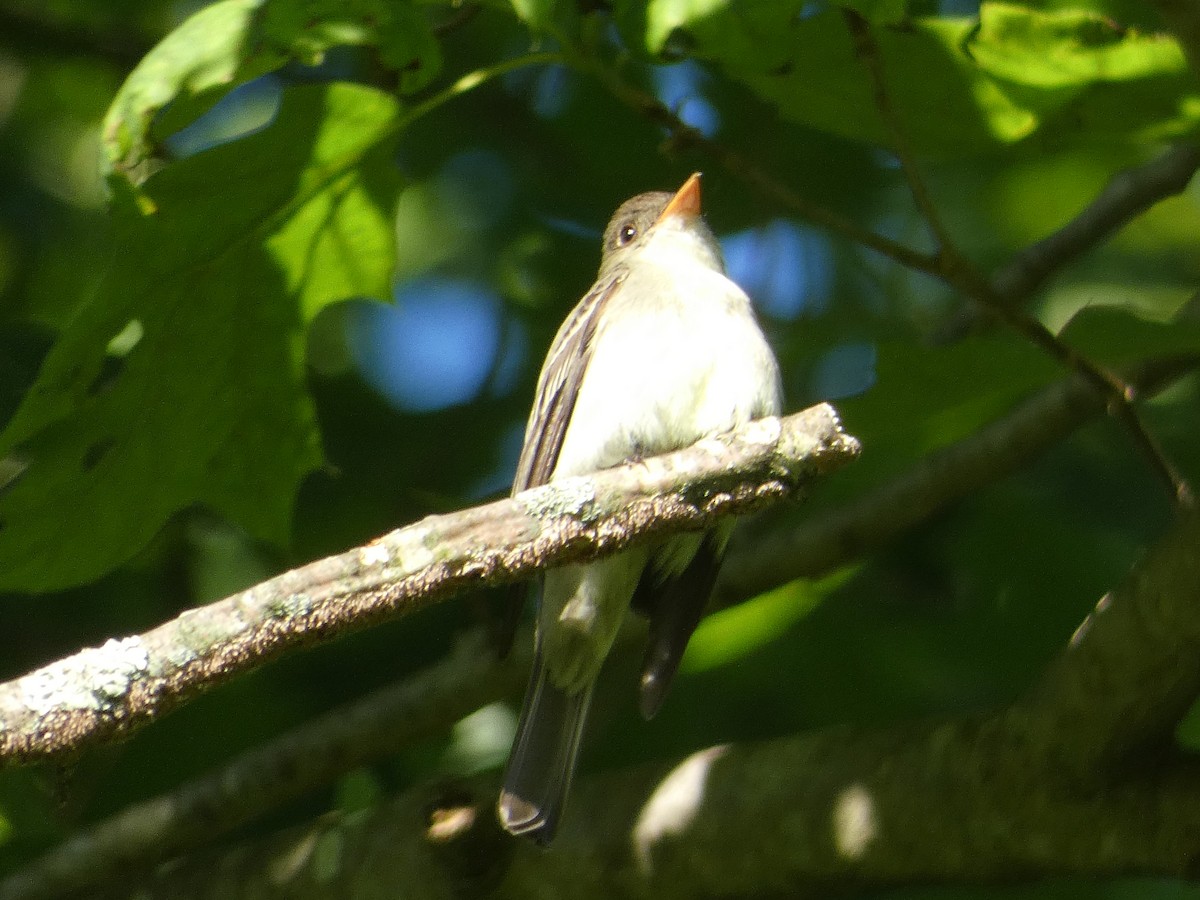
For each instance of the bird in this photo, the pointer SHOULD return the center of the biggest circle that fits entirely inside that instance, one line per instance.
(662, 351)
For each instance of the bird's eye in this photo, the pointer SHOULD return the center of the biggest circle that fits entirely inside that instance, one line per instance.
(627, 233)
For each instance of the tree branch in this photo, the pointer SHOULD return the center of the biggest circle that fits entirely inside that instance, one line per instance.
(961, 273)
(1109, 706)
(945, 476)
(868, 51)
(309, 757)
(105, 692)
(370, 729)
(867, 805)
(1126, 196)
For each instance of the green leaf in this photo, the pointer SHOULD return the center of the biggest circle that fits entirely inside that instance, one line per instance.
(1011, 74)
(760, 32)
(1066, 48)
(732, 633)
(246, 244)
(1083, 76)
(1115, 336)
(234, 41)
(925, 398)
(732, 30)
(822, 83)
(537, 14)
(210, 50)
(399, 30)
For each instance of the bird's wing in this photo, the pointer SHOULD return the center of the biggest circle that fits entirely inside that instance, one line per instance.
(558, 386)
(557, 390)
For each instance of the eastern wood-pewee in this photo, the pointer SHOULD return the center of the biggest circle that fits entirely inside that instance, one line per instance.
(662, 351)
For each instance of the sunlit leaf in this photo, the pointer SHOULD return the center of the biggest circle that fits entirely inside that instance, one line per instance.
(732, 633)
(246, 244)
(233, 41)
(208, 51)
(1001, 78)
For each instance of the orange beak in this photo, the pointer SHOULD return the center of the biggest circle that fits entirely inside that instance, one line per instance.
(686, 201)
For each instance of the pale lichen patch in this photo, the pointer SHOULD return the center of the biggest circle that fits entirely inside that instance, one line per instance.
(762, 432)
(92, 679)
(376, 554)
(575, 497)
(411, 550)
(290, 606)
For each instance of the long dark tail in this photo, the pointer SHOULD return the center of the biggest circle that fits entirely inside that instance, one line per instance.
(543, 757)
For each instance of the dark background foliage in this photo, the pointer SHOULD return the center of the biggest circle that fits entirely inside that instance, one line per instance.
(293, 289)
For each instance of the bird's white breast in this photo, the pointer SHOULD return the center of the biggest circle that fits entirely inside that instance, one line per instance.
(677, 356)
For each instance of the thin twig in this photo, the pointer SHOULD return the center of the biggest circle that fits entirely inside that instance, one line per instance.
(868, 51)
(958, 271)
(683, 135)
(1127, 195)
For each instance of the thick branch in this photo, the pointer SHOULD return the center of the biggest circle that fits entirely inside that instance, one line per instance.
(247, 786)
(962, 800)
(787, 818)
(101, 693)
(1111, 703)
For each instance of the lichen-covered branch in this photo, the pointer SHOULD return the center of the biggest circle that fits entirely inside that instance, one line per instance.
(101, 693)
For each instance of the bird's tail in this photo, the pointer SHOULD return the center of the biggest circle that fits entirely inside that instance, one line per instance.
(543, 757)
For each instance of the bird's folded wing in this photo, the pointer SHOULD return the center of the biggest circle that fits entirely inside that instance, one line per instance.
(557, 390)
